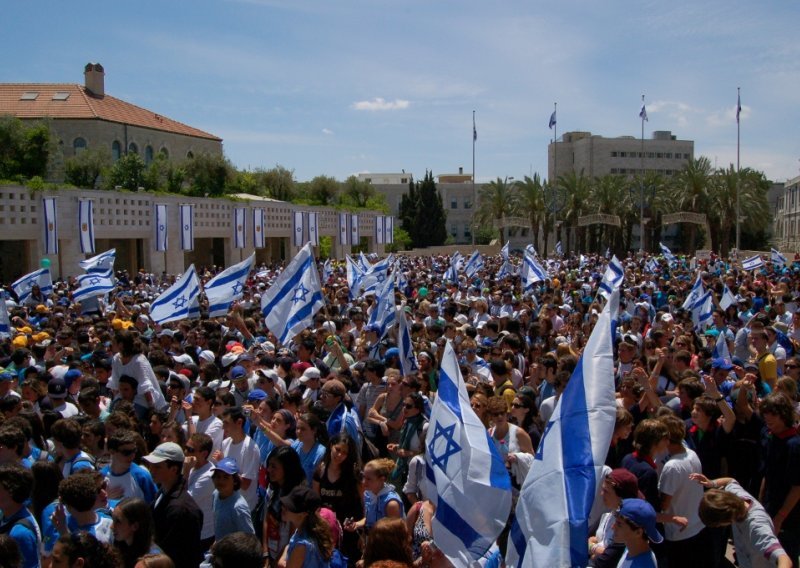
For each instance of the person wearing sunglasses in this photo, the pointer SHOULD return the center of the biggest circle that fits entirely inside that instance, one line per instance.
(412, 436)
(126, 478)
(199, 483)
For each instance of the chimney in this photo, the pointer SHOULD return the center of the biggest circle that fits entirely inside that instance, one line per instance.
(460, 170)
(94, 79)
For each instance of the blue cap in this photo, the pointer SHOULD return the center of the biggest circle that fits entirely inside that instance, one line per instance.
(256, 395)
(720, 363)
(71, 376)
(758, 304)
(227, 465)
(238, 372)
(391, 352)
(6, 376)
(641, 514)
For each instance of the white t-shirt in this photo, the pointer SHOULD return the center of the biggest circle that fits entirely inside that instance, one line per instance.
(247, 456)
(686, 494)
(211, 426)
(201, 488)
(139, 368)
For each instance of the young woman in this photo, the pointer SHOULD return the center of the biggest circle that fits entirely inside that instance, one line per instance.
(412, 436)
(312, 437)
(388, 540)
(132, 525)
(285, 472)
(311, 543)
(380, 498)
(508, 438)
(387, 412)
(525, 415)
(82, 549)
(479, 403)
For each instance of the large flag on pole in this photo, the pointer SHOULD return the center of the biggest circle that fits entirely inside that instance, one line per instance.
(227, 287)
(408, 361)
(471, 488)
(41, 277)
(612, 278)
(161, 227)
(86, 225)
(187, 226)
(94, 284)
(552, 514)
(239, 227)
(296, 295)
(552, 122)
(179, 301)
(50, 225)
(100, 263)
(643, 114)
(259, 223)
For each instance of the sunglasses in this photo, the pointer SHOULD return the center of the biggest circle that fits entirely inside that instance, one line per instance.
(517, 405)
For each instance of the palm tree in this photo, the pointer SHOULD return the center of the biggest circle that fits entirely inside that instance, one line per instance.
(531, 204)
(690, 191)
(722, 198)
(576, 189)
(497, 199)
(607, 195)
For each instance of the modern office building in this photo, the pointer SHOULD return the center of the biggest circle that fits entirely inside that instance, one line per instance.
(786, 220)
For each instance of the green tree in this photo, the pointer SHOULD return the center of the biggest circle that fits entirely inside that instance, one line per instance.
(531, 204)
(24, 149)
(356, 192)
(127, 172)
(208, 174)
(322, 190)
(689, 192)
(430, 214)
(277, 183)
(408, 210)
(86, 168)
(496, 200)
(576, 189)
(607, 195)
(722, 190)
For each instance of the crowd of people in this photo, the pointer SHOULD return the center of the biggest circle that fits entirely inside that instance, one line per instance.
(208, 442)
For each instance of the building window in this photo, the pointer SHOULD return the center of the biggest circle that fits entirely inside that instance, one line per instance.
(189, 155)
(651, 154)
(116, 150)
(467, 204)
(164, 152)
(403, 180)
(659, 155)
(368, 180)
(669, 155)
(453, 204)
(623, 154)
(454, 231)
(467, 232)
(79, 145)
(686, 156)
(133, 148)
(613, 154)
(614, 170)
(148, 155)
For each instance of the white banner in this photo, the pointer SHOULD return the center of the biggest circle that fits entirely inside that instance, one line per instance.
(379, 234)
(297, 229)
(258, 228)
(86, 225)
(50, 226)
(354, 235)
(343, 233)
(187, 227)
(161, 227)
(238, 227)
(313, 228)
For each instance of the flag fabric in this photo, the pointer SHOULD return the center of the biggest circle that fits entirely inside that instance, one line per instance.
(777, 257)
(738, 106)
(612, 278)
(161, 228)
(559, 249)
(608, 252)
(552, 122)
(643, 114)
(651, 266)
(582, 260)
(354, 276)
(94, 284)
(456, 264)
(313, 228)
(753, 262)
(187, 226)
(695, 295)
(504, 252)
(5, 321)
(531, 272)
(380, 235)
(343, 232)
(474, 264)
(375, 276)
(227, 287)
(388, 228)
(297, 229)
(532, 250)
(239, 227)
(568, 463)
(41, 277)
(702, 311)
(408, 361)
(506, 270)
(474, 129)
(728, 299)
(363, 262)
(86, 225)
(400, 280)
(384, 311)
(721, 350)
(259, 223)
(179, 301)
(50, 225)
(327, 270)
(100, 263)
(667, 253)
(289, 305)
(355, 236)
(470, 486)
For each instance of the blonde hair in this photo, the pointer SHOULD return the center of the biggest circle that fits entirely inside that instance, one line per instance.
(382, 467)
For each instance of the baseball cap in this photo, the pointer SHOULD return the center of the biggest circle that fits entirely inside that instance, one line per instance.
(302, 500)
(6, 376)
(57, 388)
(625, 483)
(310, 374)
(71, 376)
(268, 374)
(641, 514)
(207, 355)
(238, 372)
(256, 395)
(720, 363)
(184, 359)
(166, 333)
(168, 451)
(227, 465)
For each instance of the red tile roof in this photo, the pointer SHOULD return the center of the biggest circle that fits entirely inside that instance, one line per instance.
(81, 104)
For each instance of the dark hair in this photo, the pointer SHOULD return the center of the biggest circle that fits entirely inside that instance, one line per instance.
(13, 438)
(67, 431)
(375, 366)
(235, 413)
(9, 551)
(136, 511)
(46, 477)
(388, 540)
(205, 392)
(317, 426)
(778, 403)
(647, 434)
(17, 480)
(202, 442)
(676, 428)
(130, 381)
(92, 551)
(78, 491)
(129, 344)
(120, 438)
(719, 508)
(293, 473)
(351, 467)
(237, 550)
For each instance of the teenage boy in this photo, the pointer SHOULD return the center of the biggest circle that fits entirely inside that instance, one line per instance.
(635, 527)
(16, 484)
(126, 478)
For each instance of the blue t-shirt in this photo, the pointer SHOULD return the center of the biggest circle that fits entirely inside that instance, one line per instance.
(25, 533)
(309, 460)
(231, 515)
(100, 529)
(136, 482)
(313, 558)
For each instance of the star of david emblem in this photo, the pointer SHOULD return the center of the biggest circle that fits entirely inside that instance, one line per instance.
(300, 294)
(381, 278)
(161, 227)
(299, 229)
(179, 302)
(186, 227)
(237, 287)
(94, 281)
(451, 447)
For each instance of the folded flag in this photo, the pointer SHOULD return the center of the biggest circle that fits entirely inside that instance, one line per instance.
(408, 361)
(179, 301)
(227, 287)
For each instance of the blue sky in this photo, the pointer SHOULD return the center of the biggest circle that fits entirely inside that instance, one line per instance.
(338, 87)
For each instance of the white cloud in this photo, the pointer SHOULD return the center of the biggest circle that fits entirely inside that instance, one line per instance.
(726, 116)
(378, 103)
(327, 131)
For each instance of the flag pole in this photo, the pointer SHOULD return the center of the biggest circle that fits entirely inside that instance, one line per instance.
(641, 188)
(554, 181)
(738, 181)
(474, 197)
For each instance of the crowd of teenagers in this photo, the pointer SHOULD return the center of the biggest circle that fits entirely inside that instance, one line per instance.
(208, 442)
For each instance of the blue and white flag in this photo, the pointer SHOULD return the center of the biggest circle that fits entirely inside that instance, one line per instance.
(612, 278)
(531, 272)
(5, 321)
(388, 228)
(728, 299)
(355, 236)
(721, 350)
(94, 284)
(651, 266)
(313, 228)
(506, 270)
(608, 252)
(380, 233)
(470, 486)
(552, 514)
(375, 276)
(327, 270)
(344, 234)
(259, 224)
(363, 262)
(239, 227)
(179, 301)
(667, 253)
(582, 260)
(187, 226)
(161, 227)
(50, 225)
(227, 287)
(474, 264)
(552, 122)
(753, 262)
(354, 276)
(400, 280)
(408, 361)
(100, 263)
(559, 249)
(532, 250)
(643, 114)
(86, 225)
(777, 257)
(695, 294)
(289, 305)
(384, 311)
(41, 278)
(298, 229)
(456, 264)
(504, 252)
(703, 310)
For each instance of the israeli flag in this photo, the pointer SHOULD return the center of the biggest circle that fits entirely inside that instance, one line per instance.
(400, 280)
(313, 228)
(643, 114)
(100, 263)
(651, 266)
(408, 361)
(354, 276)
(474, 264)
(506, 270)
(41, 277)
(94, 284)
(581, 261)
(380, 234)
(388, 229)
(728, 299)
(612, 278)
(721, 350)
(227, 287)
(504, 252)
(161, 227)
(187, 226)
(259, 223)
(290, 304)
(695, 295)
(752, 263)
(608, 252)
(375, 276)
(384, 312)
(327, 270)
(470, 485)
(298, 228)
(532, 272)
(50, 225)
(702, 311)
(777, 257)
(363, 262)
(355, 236)
(343, 232)
(86, 225)
(239, 227)
(667, 253)
(552, 514)
(532, 250)
(559, 249)
(5, 321)
(179, 301)
(456, 263)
